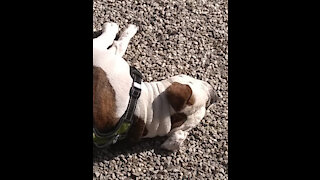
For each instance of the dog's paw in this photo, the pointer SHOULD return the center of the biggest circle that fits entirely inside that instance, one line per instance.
(130, 31)
(110, 27)
(170, 146)
(133, 27)
(175, 140)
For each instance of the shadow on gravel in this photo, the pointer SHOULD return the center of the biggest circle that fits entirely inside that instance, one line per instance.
(96, 34)
(152, 144)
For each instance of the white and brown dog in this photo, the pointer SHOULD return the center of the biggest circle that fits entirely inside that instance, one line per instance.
(170, 107)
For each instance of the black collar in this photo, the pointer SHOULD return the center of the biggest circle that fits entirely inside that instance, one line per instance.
(102, 140)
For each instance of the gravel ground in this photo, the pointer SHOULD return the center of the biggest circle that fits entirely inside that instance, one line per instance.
(189, 37)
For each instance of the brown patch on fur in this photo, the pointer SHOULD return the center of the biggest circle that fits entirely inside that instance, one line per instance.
(104, 107)
(177, 120)
(179, 95)
(137, 130)
(191, 100)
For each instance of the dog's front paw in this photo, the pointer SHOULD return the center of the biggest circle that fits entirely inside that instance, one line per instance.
(110, 27)
(130, 31)
(175, 140)
(133, 28)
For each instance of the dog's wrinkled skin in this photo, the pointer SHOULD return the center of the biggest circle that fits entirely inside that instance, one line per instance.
(159, 101)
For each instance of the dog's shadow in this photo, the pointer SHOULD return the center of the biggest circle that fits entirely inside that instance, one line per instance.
(144, 145)
(97, 33)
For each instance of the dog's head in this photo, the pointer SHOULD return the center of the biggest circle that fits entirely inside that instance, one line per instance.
(191, 95)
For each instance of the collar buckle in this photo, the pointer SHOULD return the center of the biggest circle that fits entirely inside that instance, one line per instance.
(115, 139)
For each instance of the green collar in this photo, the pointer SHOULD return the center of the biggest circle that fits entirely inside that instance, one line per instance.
(102, 141)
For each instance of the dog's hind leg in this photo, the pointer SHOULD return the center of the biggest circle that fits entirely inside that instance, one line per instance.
(121, 45)
(107, 37)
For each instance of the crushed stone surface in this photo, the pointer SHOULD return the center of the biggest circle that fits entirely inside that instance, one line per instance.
(174, 37)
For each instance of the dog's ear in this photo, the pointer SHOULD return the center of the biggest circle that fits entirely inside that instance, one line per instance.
(179, 95)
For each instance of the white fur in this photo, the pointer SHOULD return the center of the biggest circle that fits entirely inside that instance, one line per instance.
(155, 110)
(152, 107)
(111, 61)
